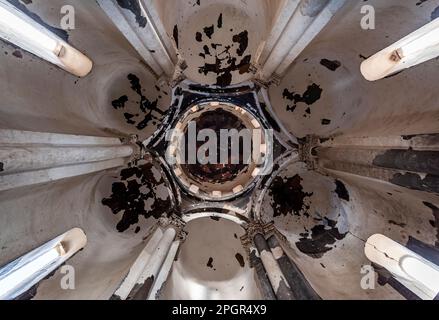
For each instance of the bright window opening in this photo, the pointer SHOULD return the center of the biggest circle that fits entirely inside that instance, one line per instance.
(21, 274)
(407, 267)
(418, 47)
(17, 28)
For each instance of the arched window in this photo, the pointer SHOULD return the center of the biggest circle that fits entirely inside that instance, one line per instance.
(21, 274)
(418, 47)
(17, 28)
(407, 267)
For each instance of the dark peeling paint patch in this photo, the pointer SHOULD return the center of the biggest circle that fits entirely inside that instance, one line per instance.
(330, 64)
(137, 229)
(199, 37)
(341, 190)
(175, 35)
(410, 160)
(434, 223)
(147, 109)
(414, 181)
(433, 136)
(206, 50)
(178, 91)
(1, 167)
(235, 235)
(57, 31)
(399, 224)
(136, 186)
(226, 57)
(240, 259)
(215, 218)
(242, 40)
(224, 77)
(326, 122)
(292, 109)
(142, 290)
(312, 94)
(420, 2)
(120, 103)
(208, 31)
(197, 3)
(220, 21)
(435, 14)
(17, 54)
(210, 263)
(129, 118)
(323, 140)
(134, 7)
(321, 238)
(288, 196)
(408, 137)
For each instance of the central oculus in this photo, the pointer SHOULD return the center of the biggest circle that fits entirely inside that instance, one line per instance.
(216, 150)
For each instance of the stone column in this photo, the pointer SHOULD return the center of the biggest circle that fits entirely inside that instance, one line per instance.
(28, 158)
